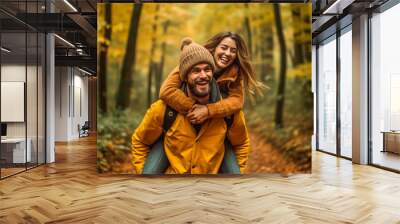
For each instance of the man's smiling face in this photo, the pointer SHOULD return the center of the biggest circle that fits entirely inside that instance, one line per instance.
(199, 79)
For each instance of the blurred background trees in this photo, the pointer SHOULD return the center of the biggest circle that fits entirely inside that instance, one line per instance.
(139, 45)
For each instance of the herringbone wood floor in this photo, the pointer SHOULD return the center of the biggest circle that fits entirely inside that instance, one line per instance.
(70, 191)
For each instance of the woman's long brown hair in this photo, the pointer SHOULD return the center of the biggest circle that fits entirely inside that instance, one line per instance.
(251, 84)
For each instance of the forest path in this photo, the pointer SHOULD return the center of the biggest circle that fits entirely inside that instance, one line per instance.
(265, 158)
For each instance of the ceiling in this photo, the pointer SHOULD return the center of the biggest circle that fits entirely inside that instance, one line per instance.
(330, 15)
(74, 22)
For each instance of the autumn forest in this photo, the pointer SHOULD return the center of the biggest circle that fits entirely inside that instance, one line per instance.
(138, 46)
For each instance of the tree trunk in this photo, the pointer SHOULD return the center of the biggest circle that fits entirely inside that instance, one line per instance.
(267, 54)
(152, 64)
(282, 70)
(307, 46)
(103, 60)
(157, 78)
(248, 30)
(160, 70)
(125, 84)
(149, 83)
(297, 34)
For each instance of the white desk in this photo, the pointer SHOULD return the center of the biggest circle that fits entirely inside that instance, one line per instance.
(18, 149)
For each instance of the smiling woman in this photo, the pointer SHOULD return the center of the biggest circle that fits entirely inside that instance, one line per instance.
(229, 48)
(225, 53)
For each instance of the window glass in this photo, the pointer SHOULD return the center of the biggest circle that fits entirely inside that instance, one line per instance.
(345, 94)
(385, 88)
(327, 96)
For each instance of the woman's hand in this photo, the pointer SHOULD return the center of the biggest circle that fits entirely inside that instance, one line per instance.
(198, 114)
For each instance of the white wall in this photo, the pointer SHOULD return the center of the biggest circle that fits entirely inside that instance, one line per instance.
(62, 81)
(33, 127)
(71, 94)
(13, 72)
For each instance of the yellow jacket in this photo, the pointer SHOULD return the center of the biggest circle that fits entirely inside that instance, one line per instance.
(187, 151)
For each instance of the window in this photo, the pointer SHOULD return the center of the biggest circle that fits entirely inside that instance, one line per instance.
(22, 76)
(327, 95)
(385, 89)
(346, 92)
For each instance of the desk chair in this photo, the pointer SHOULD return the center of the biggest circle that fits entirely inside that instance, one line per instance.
(84, 130)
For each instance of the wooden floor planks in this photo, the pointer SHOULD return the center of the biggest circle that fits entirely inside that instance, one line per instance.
(71, 191)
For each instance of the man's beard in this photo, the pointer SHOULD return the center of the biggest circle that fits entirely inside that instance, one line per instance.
(194, 91)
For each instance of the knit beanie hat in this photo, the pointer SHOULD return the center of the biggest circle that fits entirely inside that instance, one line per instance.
(191, 55)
